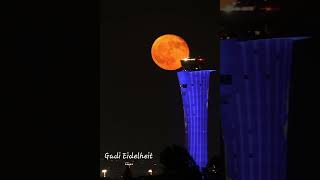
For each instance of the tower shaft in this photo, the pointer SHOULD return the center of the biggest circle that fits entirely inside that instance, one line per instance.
(194, 86)
(254, 89)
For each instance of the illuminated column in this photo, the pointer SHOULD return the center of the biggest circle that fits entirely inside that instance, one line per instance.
(194, 87)
(254, 93)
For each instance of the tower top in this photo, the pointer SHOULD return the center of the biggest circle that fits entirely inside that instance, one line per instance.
(194, 64)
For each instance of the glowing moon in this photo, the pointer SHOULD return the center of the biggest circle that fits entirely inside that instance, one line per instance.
(167, 51)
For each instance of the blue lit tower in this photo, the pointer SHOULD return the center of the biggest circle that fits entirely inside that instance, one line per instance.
(254, 91)
(194, 85)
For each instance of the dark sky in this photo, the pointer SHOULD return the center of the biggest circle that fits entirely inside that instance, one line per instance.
(141, 108)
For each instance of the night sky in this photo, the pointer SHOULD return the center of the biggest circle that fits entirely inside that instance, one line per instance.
(141, 106)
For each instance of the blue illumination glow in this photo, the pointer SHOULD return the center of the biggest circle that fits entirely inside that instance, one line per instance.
(194, 87)
(254, 108)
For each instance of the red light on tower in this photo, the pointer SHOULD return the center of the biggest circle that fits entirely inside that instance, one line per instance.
(270, 7)
(200, 59)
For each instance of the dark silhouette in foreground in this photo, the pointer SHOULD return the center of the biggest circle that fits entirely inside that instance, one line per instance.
(215, 169)
(178, 164)
(127, 175)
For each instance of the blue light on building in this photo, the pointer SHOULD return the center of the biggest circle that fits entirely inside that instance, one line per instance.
(254, 91)
(194, 87)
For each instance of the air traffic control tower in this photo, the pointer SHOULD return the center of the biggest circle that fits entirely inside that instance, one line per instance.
(194, 83)
(254, 92)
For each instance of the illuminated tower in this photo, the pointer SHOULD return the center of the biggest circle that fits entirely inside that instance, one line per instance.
(194, 85)
(254, 90)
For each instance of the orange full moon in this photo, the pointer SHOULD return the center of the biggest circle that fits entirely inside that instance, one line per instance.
(168, 50)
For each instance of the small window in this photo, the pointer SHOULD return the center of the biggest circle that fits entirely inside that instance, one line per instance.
(225, 99)
(226, 79)
(267, 76)
(183, 85)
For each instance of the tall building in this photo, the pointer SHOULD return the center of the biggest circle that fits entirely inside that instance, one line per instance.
(194, 85)
(254, 90)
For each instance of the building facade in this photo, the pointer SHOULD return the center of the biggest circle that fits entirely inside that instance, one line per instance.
(254, 92)
(194, 86)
